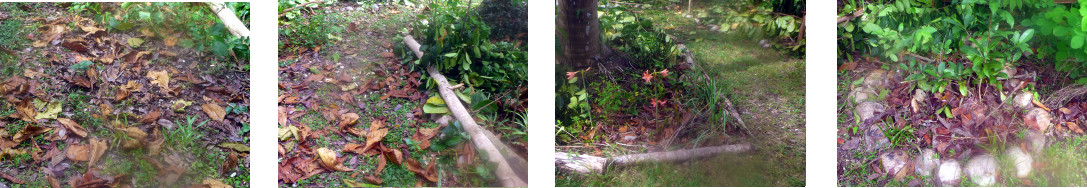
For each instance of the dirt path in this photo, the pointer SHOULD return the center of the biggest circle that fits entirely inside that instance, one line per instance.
(360, 73)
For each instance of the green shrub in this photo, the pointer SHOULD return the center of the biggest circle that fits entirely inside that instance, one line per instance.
(455, 41)
(205, 30)
(1064, 28)
(314, 30)
(638, 37)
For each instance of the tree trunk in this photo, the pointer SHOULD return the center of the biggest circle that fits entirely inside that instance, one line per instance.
(579, 33)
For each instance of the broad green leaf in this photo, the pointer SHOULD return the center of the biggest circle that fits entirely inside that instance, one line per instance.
(1008, 18)
(435, 109)
(1027, 35)
(82, 65)
(464, 97)
(1077, 42)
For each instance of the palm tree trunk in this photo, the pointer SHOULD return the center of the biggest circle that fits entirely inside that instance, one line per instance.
(579, 32)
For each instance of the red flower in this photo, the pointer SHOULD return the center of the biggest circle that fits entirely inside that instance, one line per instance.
(656, 102)
(646, 76)
(570, 75)
(664, 73)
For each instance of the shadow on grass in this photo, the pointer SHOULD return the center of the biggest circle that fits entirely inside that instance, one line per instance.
(725, 170)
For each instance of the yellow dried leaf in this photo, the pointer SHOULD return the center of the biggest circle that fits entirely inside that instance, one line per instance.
(328, 160)
(160, 78)
(214, 111)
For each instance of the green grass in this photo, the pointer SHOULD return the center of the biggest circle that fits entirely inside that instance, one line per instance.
(186, 135)
(758, 80)
(725, 170)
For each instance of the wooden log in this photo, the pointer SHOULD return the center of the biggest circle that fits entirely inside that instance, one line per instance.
(299, 6)
(229, 19)
(509, 175)
(587, 164)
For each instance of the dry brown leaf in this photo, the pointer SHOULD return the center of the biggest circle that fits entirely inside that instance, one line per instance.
(78, 152)
(348, 119)
(211, 183)
(374, 136)
(290, 100)
(73, 126)
(135, 137)
(1040, 105)
(97, 148)
(154, 145)
(12, 178)
(1065, 110)
(424, 135)
(230, 163)
(135, 56)
(29, 132)
(373, 179)
(76, 44)
(376, 124)
(393, 154)
(328, 160)
(283, 115)
(169, 41)
(380, 165)
(1074, 127)
(418, 169)
(25, 111)
(151, 117)
(352, 147)
(30, 73)
(214, 111)
(160, 78)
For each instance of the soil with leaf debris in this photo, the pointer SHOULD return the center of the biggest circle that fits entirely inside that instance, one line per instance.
(92, 105)
(351, 112)
(1036, 117)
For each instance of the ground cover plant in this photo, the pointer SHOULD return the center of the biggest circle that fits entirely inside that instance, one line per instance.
(960, 93)
(660, 82)
(357, 107)
(123, 95)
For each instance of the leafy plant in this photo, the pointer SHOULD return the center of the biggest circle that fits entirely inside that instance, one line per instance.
(575, 99)
(455, 42)
(204, 29)
(297, 12)
(1065, 29)
(186, 134)
(313, 31)
(638, 37)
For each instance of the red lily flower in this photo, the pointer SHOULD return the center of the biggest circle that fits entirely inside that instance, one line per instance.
(570, 75)
(656, 102)
(664, 73)
(646, 76)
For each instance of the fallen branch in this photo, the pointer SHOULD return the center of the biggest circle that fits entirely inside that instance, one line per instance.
(732, 111)
(846, 18)
(230, 20)
(511, 171)
(587, 164)
(299, 6)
